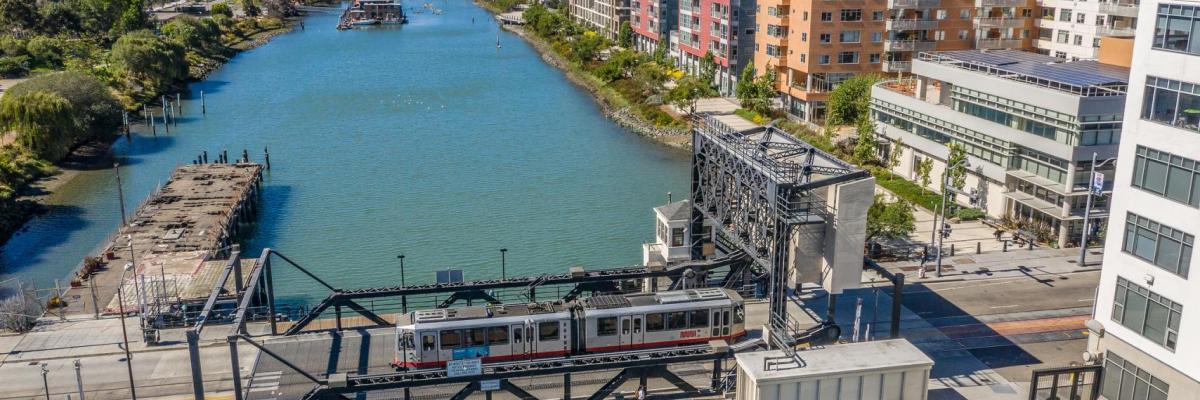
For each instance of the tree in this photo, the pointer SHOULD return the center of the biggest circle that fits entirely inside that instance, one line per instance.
(58, 17)
(250, 9)
(687, 91)
(865, 151)
(192, 33)
(156, 62)
(18, 15)
(763, 91)
(650, 75)
(625, 36)
(924, 167)
(893, 158)
(660, 54)
(850, 100)
(42, 121)
(132, 18)
(889, 220)
(957, 173)
(222, 9)
(95, 110)
(708, 69)
(586, 46)
(744, 91)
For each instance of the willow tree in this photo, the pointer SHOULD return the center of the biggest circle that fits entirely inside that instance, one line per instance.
(42, 121)
(155, 62)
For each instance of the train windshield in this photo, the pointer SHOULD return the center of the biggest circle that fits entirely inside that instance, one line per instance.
(406, 340)
(739, 314)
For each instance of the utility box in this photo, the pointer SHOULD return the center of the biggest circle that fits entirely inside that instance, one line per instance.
(879, 370)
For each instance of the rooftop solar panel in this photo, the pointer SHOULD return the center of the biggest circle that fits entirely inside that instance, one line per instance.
(1078, 73)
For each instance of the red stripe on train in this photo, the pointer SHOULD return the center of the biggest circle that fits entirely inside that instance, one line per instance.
(513, 357)
(663, 343)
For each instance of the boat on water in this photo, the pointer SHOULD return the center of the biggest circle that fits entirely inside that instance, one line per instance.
(363, 13)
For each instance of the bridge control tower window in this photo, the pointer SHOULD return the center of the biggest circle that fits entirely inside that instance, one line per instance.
(676, 237)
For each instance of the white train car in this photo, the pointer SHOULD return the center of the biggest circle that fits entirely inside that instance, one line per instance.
(647, 320)
(430, 338)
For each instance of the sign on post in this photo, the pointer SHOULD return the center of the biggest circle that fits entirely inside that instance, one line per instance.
(1097, 183)
(468, 367)
(489, 385)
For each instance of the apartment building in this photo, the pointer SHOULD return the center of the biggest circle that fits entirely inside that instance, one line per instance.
(723, 28)
(812, 45)
(1147, 313)
(1072, 29)
(652, 22)
(1029, 123)
(604, 16)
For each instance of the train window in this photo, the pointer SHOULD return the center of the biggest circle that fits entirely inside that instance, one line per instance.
(427, 342)
(451, 339)
(498, 335)
(739, 314)
(548, 331)
(677, 320)
(699, 319)
(625, 326)
(406, 341)
(476, 336)
(654, 322)
(637, 325)
(517, 335)
(606, 326)
(726, 318)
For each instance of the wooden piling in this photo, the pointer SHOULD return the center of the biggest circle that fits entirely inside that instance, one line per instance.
(178, 104)
(245, 156)
(153, 126)
(267, 158)
(146, 115)
(205, 155)
(203, 105)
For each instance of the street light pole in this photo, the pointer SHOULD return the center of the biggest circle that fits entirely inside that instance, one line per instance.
(46, 382)
(124, 334)
(78, 379)
(940, 228)
(1087, 211)
(503, 268)
(403, 299)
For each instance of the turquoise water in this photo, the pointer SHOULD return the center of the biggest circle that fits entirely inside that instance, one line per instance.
(423, 140)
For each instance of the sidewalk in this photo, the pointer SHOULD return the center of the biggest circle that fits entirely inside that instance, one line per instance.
(991, 265)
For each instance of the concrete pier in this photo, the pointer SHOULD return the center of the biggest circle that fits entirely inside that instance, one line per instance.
(170, 238)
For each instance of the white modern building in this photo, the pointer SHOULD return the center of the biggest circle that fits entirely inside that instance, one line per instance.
(1029, 124)
(1071, 29)
(603, 16)
(1146, 327)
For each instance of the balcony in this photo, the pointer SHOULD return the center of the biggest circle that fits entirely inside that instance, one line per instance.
(914, 3)
(1002, 22)
(1115, 31)
(1119, 8)
(999, 3)
(911, 24)
(818, 85)
(897, 66)
(909, 45)
(996, 44)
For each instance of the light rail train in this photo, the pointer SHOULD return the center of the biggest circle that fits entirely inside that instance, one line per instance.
(430, 338)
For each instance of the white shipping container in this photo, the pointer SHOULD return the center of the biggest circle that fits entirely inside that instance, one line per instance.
(879, 370)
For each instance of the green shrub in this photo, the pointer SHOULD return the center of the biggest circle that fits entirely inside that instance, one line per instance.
(14, 66)
(46, 51)
(969, 214)
(222, 9)
(906, 189)
(93, 106)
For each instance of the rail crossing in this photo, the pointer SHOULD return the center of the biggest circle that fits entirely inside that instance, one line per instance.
(761, 191)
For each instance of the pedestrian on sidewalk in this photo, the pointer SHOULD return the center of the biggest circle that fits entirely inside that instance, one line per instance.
(924, 258)
(998, 234)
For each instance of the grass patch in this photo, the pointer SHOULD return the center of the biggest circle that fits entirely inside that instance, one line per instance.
(906, 189)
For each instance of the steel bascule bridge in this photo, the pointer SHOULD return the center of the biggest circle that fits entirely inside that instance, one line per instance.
(782, 213)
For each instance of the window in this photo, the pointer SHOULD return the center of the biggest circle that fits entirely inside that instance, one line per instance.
(874, 58)
(806, 15)
(625, 326)
(877, 16)
(852, 14)
(826, 16)
(848, 57)
(1147, 313)
(823, 59)
(1064, 36)
(655, 322)
(427, 343)
(825, 38)
(1177, 28)
(548, 331)
(699, 319)
(637, 325)
(677, 320)
(850, 37)
(1080, 18)
(1161, 245)
(962, 34)
(498, 335)
(802, 57)
(876, 37)
(773, 51)
(1064, 15)
(476, 336)
(517, 335)
(676, 237)
(451, 339)
(939, 35)
(964, 13)
(940, 14)
(1169, 175)
(1125, 381)
(606, 326)
(1079, 40)
(1172, 103)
